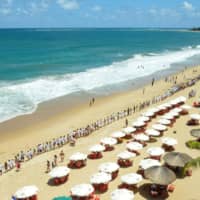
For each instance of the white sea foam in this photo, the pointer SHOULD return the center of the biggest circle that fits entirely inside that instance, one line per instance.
(23, 97)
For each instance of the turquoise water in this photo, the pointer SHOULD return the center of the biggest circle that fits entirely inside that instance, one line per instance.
(37, 65)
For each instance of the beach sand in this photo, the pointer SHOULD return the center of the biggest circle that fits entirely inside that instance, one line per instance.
(55, 118)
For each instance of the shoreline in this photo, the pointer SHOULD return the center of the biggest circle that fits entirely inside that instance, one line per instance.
(54, 118)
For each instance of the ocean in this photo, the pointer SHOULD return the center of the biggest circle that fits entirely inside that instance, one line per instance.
(37, 65)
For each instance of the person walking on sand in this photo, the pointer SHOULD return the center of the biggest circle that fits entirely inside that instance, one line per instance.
(126, 122)
(18, 165)
(48, 166)
(55, 159)
(62, 156)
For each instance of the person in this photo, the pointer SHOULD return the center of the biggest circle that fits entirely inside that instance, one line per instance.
(62, 155)
(55, 159)
(153, 80)
(18, 165)
(126, 122)
(48, 166)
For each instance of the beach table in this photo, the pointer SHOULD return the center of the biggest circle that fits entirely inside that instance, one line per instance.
(96, 151)
(110, 168)
(147, 163)
(100, 181)
(108, 143)
(155, 152)
(185, 109)
(194, 120)
(124, 159)
(59, 174)
(168, 143)
(122, 194)
(141, 138)
(27, 192)
(139, 125)
(128, 132)
(77, 160)
(134, 147)
(82, 192)
(119, 135)
(130, 181)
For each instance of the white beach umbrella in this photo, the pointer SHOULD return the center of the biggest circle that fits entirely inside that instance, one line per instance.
(178, 110)
(122, 194)
(182, 99)
(152, 132)
(143, 119)
(168, 116)
(159, 127)
(100, 177)
(126, 155)
(78, 156)
(108, 167)
(195, 116)
(148, 114)
(138, 124)
(132, 178)
(161, 107)
(169, 141)
(173, 113)
(186, 107)
(134, 146)
(109, 141)
(26, 192)
(82, 190)
(155, 151)
(164, 121)
(147, 163)
(97, 148)
(154, 110)
(129, 130)
(59, 172)
(141, 137)
(118, 134)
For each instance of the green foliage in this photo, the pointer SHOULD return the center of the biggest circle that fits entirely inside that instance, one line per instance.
(193, 144)
(194, 163)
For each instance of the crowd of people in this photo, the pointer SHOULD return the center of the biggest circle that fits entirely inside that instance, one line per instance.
(71, 137)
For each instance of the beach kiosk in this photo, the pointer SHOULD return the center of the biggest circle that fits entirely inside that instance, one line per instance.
(27, 193)
(108, 143)
(96, 151)
(130, 181)
(124, 159)
(119, 135)
(155, 152)
(110, 168)
(82, 192)
(100, 181)
(120, 194)
(59, 174)
(77, 160)
(168, 143)
(134, 147)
